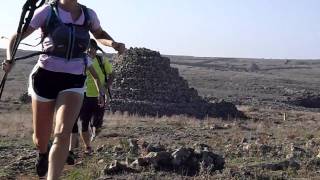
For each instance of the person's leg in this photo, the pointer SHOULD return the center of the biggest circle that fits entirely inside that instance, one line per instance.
(74, 138)
(42, 115)
(85, 135)
(74, 142)
(98, 119)
(68, 107)
(85, 117)
(86, 139)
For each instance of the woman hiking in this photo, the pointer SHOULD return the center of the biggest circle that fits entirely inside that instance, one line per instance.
(56, 83)
(91, 113)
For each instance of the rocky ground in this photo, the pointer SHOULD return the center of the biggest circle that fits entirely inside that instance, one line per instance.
(273, 83)
(278, 140)
(174, 148)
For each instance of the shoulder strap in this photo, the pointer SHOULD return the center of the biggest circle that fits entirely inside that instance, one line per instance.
(51, 1)
(85, 61)
(87, 18)
(54, 8)
(99, 58)
(52, 16)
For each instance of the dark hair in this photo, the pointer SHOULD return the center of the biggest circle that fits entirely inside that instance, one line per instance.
(93, 44)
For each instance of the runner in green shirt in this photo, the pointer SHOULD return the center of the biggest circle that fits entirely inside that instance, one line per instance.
(91, 89)
(91, 112)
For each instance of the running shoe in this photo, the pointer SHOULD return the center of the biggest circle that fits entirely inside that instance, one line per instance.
(71, 158)
(42, 164)
(88, 151)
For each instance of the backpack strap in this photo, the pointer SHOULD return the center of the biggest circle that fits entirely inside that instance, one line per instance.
(54, 10)
(99, 58)
(87, 18)
(52, 16)
(85, 61)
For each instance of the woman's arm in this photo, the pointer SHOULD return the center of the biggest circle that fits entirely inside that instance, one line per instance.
(7, 64)
(104, 38)
(29, 31)
(110, 80)
(38, 20)
(110, 75)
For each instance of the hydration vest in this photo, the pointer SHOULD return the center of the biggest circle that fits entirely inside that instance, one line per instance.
(69, 40)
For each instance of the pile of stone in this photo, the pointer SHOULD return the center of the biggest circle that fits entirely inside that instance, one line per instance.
(301, 97)
(306, 101)
(253, 67)
(145, 84)
(186, 161)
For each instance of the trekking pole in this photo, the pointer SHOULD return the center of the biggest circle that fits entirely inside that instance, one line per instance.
(28, 10)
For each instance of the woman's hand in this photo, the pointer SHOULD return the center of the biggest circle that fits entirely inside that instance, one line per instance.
(101, 99)
(120, 47)
(7, 65)
(107, 100)
(108, 84)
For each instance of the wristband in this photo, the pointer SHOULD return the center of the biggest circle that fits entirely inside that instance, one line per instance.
(113, 43)
(8, 61)
(101, 93)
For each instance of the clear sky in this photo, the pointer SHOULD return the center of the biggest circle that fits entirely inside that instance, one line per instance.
(228, 28)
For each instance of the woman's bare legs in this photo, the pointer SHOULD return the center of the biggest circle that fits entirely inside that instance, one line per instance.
(74, 141)
(68, 106)
(86, 139)
(42, 113)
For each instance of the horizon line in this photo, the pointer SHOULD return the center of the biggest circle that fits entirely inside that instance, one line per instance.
(210, 57)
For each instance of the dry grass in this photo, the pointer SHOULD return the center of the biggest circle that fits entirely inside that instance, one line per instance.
(16, 124)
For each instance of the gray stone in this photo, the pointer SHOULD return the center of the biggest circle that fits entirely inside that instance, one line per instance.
(313, 164)
(159, 160)
(133, 146)
(211, 162)
(185, 160)
(145, 84)
(297, 152)
(264, 149)
(155, 148)
(117, 168)
(181, 156)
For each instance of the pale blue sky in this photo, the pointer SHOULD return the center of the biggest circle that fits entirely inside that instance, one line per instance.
(228, 28)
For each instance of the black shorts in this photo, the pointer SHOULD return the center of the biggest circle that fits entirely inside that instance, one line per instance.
(90, 114)
(46, 85)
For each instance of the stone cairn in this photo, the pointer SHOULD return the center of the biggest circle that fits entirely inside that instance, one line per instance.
(253, 68)
(145, 84)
